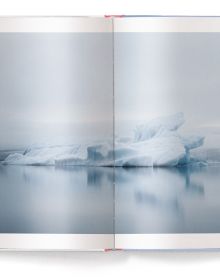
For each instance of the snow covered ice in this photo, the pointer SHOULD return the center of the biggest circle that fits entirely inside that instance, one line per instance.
(159, 125)
(155, 143)
(158, 143)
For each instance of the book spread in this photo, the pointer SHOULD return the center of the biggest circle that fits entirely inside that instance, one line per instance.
(109, 133)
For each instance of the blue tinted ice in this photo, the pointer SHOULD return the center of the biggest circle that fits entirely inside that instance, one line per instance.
(155, 143)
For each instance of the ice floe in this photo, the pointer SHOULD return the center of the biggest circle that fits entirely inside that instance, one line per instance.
(155, 143)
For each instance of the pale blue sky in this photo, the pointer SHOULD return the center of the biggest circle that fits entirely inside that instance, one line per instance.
(158, 74)
(49, 81)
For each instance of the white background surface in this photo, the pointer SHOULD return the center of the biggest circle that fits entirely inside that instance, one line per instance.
(117, 265)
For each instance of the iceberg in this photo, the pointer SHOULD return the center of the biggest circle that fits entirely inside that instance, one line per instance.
(152, 128)
(155, 143)
(158, 143)
(153, 152)
(78, 155)
(43, 155)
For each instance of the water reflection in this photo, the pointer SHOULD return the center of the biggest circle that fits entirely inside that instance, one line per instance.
(56, 200)
(36, 199)
(167, 200)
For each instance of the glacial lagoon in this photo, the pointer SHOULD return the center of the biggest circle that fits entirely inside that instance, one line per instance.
(49, 199)
(168, 200)
(46, 199)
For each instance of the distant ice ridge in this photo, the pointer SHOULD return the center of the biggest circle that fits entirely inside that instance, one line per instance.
(155, 143)
(95, 155)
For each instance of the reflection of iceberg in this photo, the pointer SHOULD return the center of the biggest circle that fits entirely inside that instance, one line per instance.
(162, 200)
(156, 143)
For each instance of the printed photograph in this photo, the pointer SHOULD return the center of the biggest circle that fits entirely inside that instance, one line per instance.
(56, 133)
(167, 129)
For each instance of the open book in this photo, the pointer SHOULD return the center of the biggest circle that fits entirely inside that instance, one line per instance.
(109, 133)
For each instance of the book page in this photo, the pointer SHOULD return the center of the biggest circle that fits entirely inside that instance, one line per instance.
(167, 127)
(56, 122)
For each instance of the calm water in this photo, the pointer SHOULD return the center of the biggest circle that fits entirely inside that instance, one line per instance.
(36, 199)
(168, 200)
